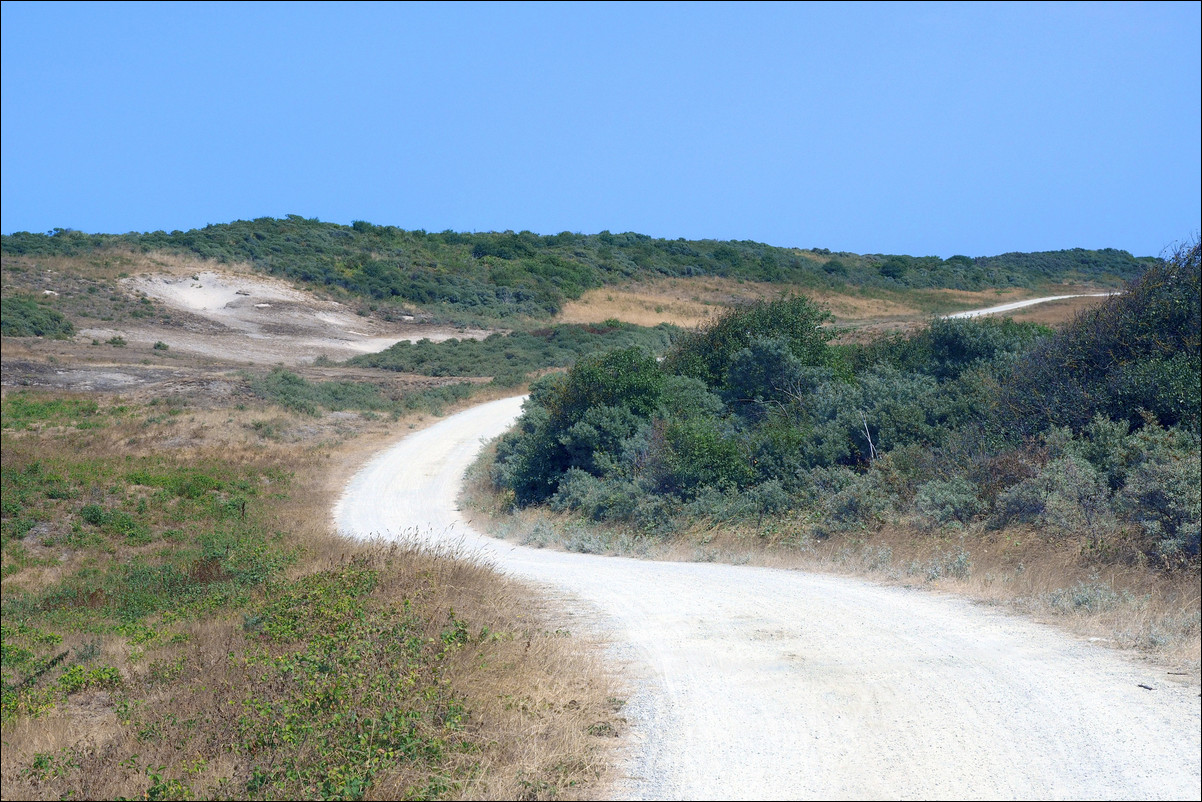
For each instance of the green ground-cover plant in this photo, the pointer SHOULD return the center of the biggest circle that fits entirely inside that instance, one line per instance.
(25, 317)
(918, 427)
(164, 538)
(333, 688)
(215, 546)
(490, 276)
(159, 593)
(296, 393)
(24, 410)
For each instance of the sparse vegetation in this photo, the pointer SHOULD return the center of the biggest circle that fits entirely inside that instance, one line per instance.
(171, 630)
(177, 626)
(293, 392)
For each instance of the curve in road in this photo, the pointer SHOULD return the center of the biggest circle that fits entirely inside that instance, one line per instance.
(756, 683)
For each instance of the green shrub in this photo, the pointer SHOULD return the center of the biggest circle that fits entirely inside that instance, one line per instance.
(628, 378)
(594, 442)
(727, 503)
(1090, 596)
(858, 503)
(25, 317)
(1164, 498)
(596, 498)
(940, 502)
(1138, 351)
(698, 453)
(509, 357)
(957, 565)
(486, 277)
(530, 461)
(578, 420)
(793, 325)
(1068, 496)
(949, 347)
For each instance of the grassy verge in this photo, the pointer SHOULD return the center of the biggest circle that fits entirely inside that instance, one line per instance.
(179, 622)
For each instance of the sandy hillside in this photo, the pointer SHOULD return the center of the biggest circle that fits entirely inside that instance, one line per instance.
(249, 317)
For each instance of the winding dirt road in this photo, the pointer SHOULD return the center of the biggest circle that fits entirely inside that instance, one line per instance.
(756, 683)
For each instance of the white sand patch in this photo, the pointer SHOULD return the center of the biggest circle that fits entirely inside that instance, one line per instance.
(264, 319)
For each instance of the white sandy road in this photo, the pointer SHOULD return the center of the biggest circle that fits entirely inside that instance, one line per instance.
(1010, 307)
(758, 683)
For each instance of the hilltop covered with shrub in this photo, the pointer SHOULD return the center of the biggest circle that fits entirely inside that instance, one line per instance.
(490, 276)
(1092, 430)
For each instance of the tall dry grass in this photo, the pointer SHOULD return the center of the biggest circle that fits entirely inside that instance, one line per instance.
(690, 302)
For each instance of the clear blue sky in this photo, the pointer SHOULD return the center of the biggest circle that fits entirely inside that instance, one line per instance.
(927, 129)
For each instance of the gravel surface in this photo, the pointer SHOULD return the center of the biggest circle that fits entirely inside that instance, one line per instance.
(755, 683)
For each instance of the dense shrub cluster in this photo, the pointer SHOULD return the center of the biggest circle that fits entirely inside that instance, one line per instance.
(493, 276)
(759, 413)
(25, 317)
(509, 357)
(1139, 352)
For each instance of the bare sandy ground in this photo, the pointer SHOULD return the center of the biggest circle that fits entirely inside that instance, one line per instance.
(245, 317)
(756, 683)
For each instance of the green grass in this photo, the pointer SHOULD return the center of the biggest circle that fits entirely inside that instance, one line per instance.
(236, 658)
(296, 393)
(161, 537)
(27, 409)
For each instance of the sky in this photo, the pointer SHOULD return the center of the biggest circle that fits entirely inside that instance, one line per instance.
(924, 129)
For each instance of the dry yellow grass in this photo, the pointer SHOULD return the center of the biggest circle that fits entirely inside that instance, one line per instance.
(691, 302)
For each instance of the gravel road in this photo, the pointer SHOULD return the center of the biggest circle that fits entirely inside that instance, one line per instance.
(755, 683)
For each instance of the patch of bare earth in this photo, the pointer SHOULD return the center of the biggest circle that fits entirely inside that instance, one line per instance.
(230, 313)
